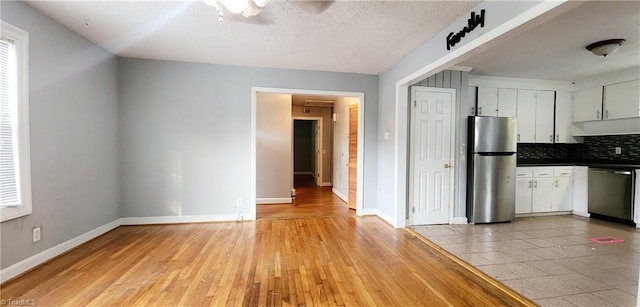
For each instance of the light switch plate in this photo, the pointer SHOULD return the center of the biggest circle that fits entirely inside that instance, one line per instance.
(618, 150)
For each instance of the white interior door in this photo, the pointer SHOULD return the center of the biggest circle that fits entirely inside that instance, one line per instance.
(432, 136)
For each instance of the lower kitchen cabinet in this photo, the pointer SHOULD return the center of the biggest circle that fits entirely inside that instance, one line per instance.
(543, 189)
(580, 190)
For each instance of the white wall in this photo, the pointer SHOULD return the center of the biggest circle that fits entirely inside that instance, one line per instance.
(273, 146)
(341, 146)
(186, 133)
(73, 102)
(392, 159)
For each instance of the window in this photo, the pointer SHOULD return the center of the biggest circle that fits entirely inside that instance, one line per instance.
(15, 170)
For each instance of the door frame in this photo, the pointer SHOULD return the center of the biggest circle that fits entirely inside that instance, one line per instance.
(453, 131)
(360, 168)
(321, 137)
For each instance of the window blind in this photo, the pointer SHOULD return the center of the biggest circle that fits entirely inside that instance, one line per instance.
(9, 190)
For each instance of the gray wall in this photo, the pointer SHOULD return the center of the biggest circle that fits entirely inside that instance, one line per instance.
(74, 135)
(273, 146)
(192, 122)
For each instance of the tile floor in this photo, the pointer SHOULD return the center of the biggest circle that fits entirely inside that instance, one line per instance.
(550, 259)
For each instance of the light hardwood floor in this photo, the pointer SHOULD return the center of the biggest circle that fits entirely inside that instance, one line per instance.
(310, 260)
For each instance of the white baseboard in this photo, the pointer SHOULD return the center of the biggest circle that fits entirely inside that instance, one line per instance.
(340, 195)
(52, 252)
(382, 216)
(583, 214)
(326, 184)
(263, 201)
(179, 219)
(459, 220)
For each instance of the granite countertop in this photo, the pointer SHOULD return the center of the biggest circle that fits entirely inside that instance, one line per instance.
(595, 164)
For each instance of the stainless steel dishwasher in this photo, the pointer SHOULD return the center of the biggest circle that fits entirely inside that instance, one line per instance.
(611, 192)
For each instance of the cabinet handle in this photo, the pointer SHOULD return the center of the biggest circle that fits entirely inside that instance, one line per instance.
(529, 184)
(479, 110)
(597, 114)
(556, 183)
(606, 114)
(473, 110)
(535, 184)
(557, 138)
(518, 137)
(551, 138)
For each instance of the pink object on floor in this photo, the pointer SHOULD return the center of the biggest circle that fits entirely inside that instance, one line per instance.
(606, 240)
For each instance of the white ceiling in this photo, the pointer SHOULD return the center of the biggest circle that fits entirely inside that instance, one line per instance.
(342, 36)
(555, 50)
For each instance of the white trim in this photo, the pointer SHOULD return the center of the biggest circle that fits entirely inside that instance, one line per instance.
(21, 41)
(453, 131)
(580, 213)
(400, 151)
(361, 112)
(52, 252)
(340, 195)
(326, 184)
(388, 219)
(320, 157)
(461, 68)
(178, 219)
(459, 220)
(264, 201)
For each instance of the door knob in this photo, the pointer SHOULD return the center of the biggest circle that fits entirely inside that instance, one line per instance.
(446, 165)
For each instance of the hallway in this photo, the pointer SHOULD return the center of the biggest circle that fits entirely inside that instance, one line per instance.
(310, 201)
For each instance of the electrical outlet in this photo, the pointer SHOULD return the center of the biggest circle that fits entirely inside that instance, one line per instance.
(36, 234)
(239, 202)
(618, 150)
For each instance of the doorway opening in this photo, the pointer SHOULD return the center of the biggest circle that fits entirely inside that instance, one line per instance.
(307, 151)
(323, 157)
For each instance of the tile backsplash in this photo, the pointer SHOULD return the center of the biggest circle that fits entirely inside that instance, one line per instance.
(602, 148)
(594, 149)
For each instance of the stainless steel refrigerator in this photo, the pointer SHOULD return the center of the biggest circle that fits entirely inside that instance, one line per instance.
(491, 173)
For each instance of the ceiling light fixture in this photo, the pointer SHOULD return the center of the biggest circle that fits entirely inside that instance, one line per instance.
(247, 8)
(605, 47)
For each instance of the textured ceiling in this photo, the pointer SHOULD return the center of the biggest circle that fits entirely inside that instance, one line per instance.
(342, 36)
(555, 50)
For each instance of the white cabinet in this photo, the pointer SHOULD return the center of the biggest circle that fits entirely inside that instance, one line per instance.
(588, 104)
(524, 190)
(535, 111)
(543, 189)
(563, 122)
(562, 198)
(526, 116)
(499, 102)
(580, 192)
(622, 100)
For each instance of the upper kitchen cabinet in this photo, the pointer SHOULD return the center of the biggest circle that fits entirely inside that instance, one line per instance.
(535, 110)
(563, 122)
(499, 102)
(622, 100)
(588, 104)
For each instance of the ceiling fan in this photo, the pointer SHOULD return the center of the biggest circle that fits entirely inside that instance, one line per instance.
(250, 9)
